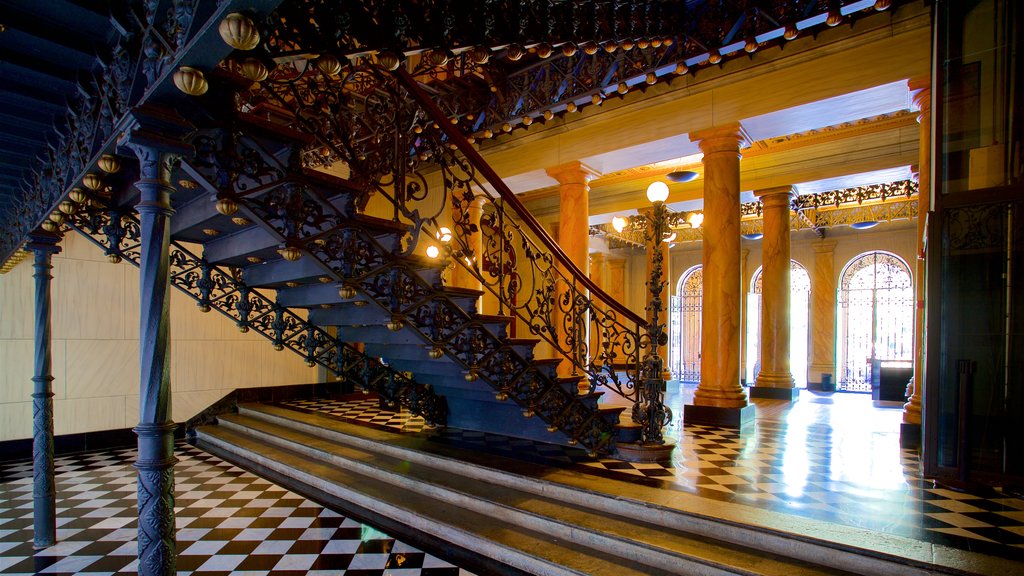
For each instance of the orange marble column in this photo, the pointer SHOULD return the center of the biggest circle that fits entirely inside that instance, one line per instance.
(922, 94)
(719, 398)
(663, 296)
(598, 271)
(775, 379)
(744, 316)
(823, 312)
(573, 237)
(615, 286)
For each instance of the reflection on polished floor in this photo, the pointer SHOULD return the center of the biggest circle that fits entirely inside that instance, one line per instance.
(828, 457)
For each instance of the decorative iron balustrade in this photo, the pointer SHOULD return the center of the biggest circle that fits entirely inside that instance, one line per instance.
(268, 190)
(517, 261)
(213, 288)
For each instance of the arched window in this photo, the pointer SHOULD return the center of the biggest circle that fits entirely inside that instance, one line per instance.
(799, 303)
(876, 317)
(684, 350)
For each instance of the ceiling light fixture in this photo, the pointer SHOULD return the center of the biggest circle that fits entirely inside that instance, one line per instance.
(681, 175)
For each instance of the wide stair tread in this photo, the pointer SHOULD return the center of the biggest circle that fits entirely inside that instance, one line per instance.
(637, 541)
(519, 547)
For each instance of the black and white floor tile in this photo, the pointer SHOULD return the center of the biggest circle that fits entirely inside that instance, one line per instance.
(229, 523)
(838, 461)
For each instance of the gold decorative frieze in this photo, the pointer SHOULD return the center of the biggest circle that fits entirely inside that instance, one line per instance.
(14, 260)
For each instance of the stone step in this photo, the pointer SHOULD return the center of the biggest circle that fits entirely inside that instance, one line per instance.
(803, 540)
(634, 540)
(492, 541)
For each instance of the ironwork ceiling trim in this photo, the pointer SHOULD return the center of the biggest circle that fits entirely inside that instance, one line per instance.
(496, 65)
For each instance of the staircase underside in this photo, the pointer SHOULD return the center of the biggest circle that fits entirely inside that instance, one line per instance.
(499, 515)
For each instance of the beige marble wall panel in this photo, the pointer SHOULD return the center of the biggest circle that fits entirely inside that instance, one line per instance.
(88, 301)
(76, 415)
(196, 365)
(15, 420)
(185, 405)
(282, 368)
(16, 370)
(98, 368)
(75, 247)
(130, 290)
(17, 302)
(188, 321)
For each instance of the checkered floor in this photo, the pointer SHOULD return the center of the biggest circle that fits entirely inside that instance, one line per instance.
(230, 523)
(834, 458)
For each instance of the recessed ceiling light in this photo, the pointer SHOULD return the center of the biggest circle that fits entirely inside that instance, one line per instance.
(864, 225)
(681, 175)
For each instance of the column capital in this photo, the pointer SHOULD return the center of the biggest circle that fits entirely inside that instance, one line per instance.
(43, 241)
(824, 246)
(574, 172)
(728, 138)
(921, 93)
(786, 193)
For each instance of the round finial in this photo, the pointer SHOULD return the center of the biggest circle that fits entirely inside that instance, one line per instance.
(109, 163)
(92, 181)
(239, 31)
(254, 69)
(329, 64)
(191, 81)
(226, 206)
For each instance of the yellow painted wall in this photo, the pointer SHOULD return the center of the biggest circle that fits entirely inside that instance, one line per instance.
(96, 348)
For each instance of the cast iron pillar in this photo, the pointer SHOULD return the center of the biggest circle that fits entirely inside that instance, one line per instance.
(155, 463)
(44, 493)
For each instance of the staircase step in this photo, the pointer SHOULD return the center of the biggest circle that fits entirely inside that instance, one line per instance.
(564, 516)
(505, 543)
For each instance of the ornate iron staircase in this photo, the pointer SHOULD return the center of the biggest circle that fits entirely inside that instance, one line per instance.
(266, 224)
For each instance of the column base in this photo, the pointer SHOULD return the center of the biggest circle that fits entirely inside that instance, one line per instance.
(637, 452)
(787, 394)
(910, 435)
(718, 416)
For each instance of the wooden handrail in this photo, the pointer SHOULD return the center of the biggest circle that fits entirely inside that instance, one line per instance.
(474, 157)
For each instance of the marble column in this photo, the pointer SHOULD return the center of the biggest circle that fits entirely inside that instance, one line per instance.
(615, 283)
(598, 270)
(720, 399)
(910, 430)
(574, 238)
(663, 296)
(744, 313)
(44, 492)
(775, 380)
(823, 314)
(155, 463)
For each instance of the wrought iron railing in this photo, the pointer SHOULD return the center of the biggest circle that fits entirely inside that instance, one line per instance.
(271, 193)
(213, 288)
(401, 146)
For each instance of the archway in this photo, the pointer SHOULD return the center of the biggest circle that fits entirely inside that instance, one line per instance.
(799, 305)
(875, 317)
(684, 328)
